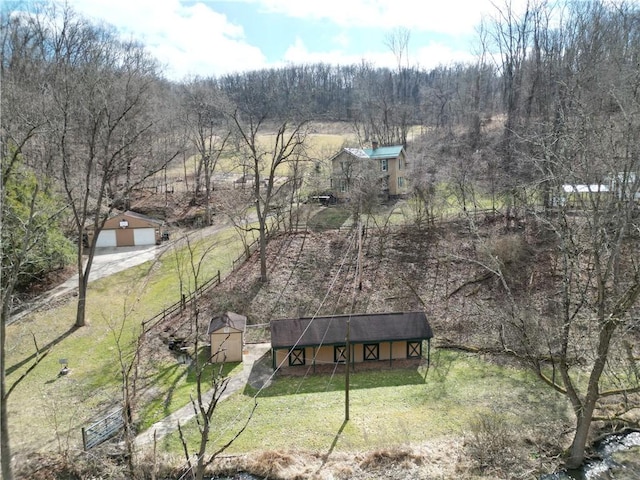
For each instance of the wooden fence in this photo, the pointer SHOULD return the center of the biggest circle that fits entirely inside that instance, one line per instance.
(245, 255)
(181, 304)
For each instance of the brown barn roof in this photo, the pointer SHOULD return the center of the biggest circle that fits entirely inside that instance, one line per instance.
(227, 319)
(364, 328)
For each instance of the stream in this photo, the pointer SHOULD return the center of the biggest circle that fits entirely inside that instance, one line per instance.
(618, 458)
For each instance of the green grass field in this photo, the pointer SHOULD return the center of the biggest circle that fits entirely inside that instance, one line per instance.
(329, 218)
(46, 408)
(387, 408)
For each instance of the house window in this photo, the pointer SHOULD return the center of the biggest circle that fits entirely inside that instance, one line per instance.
(371, 351)
(343, 186)
(340, 354)
(414, 349)
(296, 357)
(399, 163)
(384, 165)
(400, 182)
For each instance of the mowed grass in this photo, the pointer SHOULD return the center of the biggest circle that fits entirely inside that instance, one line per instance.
(48, 410)
(386, 408)
(329, 218)
(177, 384)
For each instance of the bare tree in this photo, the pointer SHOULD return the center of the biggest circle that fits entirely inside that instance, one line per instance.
(211, 382)
(208, 133)
(423, 194)
(384, 105)
(398, 42)
(29, 210)
(129, 363)
(237, 206)
(210, 376)
(573, 332)
(102, 122)
(267, 160)
(13, 262)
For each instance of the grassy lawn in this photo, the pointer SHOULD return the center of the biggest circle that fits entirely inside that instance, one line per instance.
(387, 408)
(329, 218)
(179, 384)
(47, 408)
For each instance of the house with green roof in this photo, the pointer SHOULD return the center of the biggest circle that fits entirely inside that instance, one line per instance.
(381, 168)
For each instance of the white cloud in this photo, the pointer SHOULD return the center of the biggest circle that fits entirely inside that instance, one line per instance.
(451, 17)
(298, 53)
(437, 54)
(189, 40)
(429, 56)
(342, 40)
(194, 39)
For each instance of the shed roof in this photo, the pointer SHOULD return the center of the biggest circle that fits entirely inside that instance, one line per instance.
(363, 328)
(593, 188)
(227, 319)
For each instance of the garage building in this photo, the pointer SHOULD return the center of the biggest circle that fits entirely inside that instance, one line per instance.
(129, 229)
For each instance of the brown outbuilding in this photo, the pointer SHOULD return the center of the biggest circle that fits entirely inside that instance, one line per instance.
(376, 337)
(129, 229)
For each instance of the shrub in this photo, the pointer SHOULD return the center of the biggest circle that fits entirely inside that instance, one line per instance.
(492, 445)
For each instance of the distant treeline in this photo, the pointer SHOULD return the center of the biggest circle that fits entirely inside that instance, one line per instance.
(349, 92)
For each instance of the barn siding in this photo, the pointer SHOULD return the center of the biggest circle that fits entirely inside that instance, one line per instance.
(325, 355)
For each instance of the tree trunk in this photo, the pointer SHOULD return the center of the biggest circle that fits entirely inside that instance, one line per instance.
(5, 447)
(82, 304)
(83, 280)
(204, 439)
(207, 201)
(263, 249)
(579, 443)
(584, 413)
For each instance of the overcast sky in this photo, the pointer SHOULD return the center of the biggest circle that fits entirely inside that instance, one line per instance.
(214, 37)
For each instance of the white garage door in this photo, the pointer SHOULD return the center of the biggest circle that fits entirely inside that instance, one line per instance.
(107, 238)
(144, 236)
